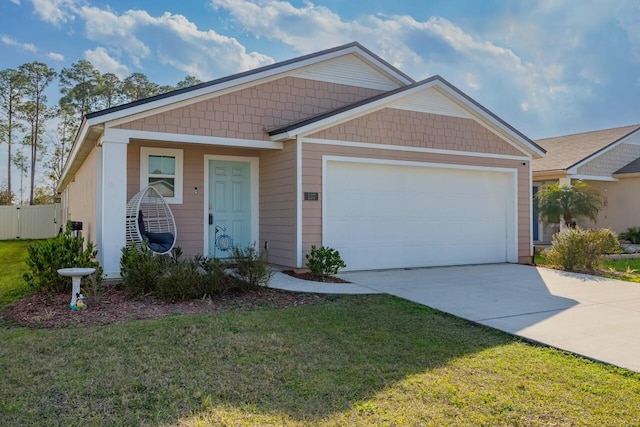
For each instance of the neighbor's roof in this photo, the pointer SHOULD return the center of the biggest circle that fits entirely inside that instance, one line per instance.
(564, 152)
(633, 167)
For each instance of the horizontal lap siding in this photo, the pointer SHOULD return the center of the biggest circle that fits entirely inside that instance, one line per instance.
(83, 191)
(278, 204)
(312, 168)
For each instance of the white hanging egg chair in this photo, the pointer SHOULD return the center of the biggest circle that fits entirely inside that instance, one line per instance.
(150, 222)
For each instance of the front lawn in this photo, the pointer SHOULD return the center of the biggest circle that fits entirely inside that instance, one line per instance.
(358, 360)
(352, 360)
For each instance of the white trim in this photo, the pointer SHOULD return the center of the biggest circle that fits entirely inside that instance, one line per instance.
(254, 163)
(113, 214)
(411, 149)
(531, 253)
(191, 139)
(299, 203)
(593, 177)
(177, 153)
(511, 247)
(99, 202)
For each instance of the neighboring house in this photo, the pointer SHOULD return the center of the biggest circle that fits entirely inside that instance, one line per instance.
(335, 148)
(608, 160)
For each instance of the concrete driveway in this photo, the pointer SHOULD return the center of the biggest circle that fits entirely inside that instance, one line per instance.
(595, 317)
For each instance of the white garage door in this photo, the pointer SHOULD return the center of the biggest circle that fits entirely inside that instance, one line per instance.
(398, 215)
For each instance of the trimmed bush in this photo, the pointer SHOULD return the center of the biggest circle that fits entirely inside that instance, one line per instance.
(324, 261)
(251, 267)
(577, 249)
(171, 278)
(632, 234)
(63, 251)
(140, 270)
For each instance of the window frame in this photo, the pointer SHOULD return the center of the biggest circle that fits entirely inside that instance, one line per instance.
(176, 153)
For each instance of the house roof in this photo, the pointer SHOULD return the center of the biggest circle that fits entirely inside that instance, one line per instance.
(92, 124)
(565, 152)
(633, 167)
(291, 129)
(399, 75)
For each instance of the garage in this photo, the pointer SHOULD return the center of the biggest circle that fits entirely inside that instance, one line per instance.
(397, 214)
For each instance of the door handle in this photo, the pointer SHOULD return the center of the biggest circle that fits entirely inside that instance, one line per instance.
(210, 219)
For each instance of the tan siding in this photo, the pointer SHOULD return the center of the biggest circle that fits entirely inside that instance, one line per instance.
(247, 113)
(82, 197)
(622, 209)
(414, 129)
(311, 181)
(189, 215)
(278, 204)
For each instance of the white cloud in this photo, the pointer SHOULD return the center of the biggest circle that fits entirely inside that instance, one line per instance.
(104, 63)
(55, 11)
(171, 39)
(13, 42)
(15, 2)
(54, 56)
(472, 81)
(403, 41)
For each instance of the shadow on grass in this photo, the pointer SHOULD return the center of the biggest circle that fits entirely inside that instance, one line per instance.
(307, 363)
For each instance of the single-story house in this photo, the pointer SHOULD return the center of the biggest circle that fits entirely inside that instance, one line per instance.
(336, 148)
(608, 160)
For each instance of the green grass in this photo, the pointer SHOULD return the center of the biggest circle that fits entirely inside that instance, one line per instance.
(13, 254)
(622, 269)
(627, 269)
(359, 360)
(355, 360)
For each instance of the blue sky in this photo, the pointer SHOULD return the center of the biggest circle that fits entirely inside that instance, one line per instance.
(547, 67)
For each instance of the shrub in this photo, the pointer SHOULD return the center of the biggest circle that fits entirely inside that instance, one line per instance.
(63, 251)
(324, 261)
(577, 249)
(632, 234)
(140, 270)
(169, 277)
(251, 267)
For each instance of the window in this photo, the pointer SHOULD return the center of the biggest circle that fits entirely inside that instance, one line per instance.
(161, 168)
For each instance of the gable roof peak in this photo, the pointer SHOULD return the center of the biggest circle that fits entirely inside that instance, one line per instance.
(256, 73)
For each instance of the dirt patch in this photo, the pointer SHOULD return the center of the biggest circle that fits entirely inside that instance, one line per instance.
(306, 275)
(49, 311)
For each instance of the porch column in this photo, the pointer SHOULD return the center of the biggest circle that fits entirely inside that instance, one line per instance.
(112, 202)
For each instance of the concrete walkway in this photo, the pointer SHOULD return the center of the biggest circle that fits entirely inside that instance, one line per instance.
(591, 316)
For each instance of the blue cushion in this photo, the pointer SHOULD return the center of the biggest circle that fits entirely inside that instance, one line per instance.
(160, 238)
(143, 232)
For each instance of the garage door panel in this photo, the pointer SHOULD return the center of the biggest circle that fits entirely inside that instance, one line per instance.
(391, 216)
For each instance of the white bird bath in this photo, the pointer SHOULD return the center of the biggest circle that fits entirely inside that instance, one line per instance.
(76, 275)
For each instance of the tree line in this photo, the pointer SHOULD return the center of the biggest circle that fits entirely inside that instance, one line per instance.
(24, 113)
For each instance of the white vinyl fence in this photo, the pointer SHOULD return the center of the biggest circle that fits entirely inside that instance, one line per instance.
(29, 222)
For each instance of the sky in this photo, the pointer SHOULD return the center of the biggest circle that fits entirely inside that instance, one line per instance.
(546, 67)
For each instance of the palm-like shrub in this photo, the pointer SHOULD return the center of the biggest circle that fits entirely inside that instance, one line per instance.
(568, 203)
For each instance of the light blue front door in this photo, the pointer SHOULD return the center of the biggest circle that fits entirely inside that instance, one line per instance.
(229, 206)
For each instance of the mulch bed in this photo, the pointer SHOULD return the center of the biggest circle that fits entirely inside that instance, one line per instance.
(50, 311)
(306, 275)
